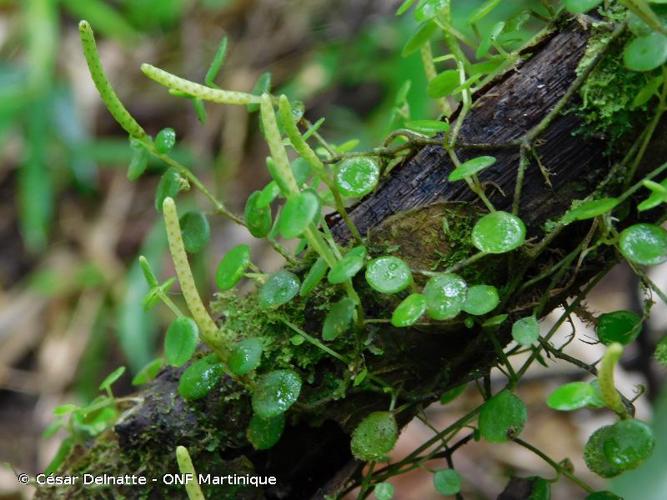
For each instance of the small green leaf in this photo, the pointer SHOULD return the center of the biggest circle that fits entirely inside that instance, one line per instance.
(409, 310)
(279, 289)
(428, 127)
(452, 394)
(264, 433)
(646, 52)
(181, 341)
(148, 372)
(266, 196)
(165, 140)
(384, 491)
(299, 212)
(471, 167)
(313, 277)
(644, 244)
(502, 416)
(61, 454)
(580, 6)
(388, 274)
(483, 10)
(572, 396)
(647, 92)
(200, 377)
(301, 170)
(356, 177)
(112, 378)
(338, 319)
(171, 183)
(138, 161)
(375, 436)
(481, 299)
(445, 295)
(275, 392)
(495, 321)
(420, 38)
(65, 409)
(351, 263)
(658, 195)
(590, 209)
(622, 446)
(526, 331)
(443, 84)
(195, 230)
(257, 219)
(405, 6)
(498, 232)
(618, 326)
(603, 495)
(246, 355)
(447, 481)
(232, 267)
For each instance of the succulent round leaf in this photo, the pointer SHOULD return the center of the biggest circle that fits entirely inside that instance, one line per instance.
(628, 444)
(299, 212)
(351, 263)
(264, 433)
(594, 454)
(409, 310)
(165, 140)
(279, 289)
(445, 295)
(384, 491)
(447, 481)
(196, 231)
(572, 396)
(646, 52)
(180, 341)
(257, 218)
(375, 436)
(526, 331)
(590, 209)
(232, 267)
(245, 356)
(275, 392)
(200, 377)
(501, 417)
(481, 299)
(313, 277)
(618, 326)
(356, 177)
(498, 232)
(471, 167)
(388, 274)
(644, 244)
(169, 186)
(338, 319)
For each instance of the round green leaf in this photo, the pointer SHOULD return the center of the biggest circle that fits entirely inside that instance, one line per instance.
(445, 295)
(526, 331)
(498, 232)
(338, 319)
(299, 212)
(443, 84)
(502, 416)
(348, 266)
(481, 299)
(629, 443)
(245, 356)
(112, 378)
(384, 491)
(275, 392)
(421, 36)
(266, 196)
(200, 377)
(138, 161)
(594, 455)
(572, 396)
(195, 230)
(580, 6)
(279, 289)
(169, 186)
(165, 140)
(646, 52)
(356, 177)
(313, 277)
(264, 433)
(618, 326)
(388, 274)
(257, 219)
(447, 481)
(232, 267)
(181, 341)
(409, 310)
(590, 209)
(148, 372)
(644, 244)
(471, 167)
(375, 436)
(301, 170)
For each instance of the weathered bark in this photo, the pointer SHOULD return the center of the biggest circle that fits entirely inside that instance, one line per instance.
(313, 456)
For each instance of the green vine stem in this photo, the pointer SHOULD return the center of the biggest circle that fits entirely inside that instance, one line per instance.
(185, 466)
(208, 328)
(107, 93)
(610, 395)
(197, 90)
